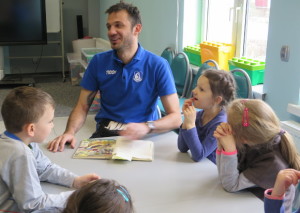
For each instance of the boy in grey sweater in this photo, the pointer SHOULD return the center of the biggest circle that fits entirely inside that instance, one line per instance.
(28, 118)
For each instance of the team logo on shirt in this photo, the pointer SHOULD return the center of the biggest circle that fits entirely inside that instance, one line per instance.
(111, 72)
(137, 77)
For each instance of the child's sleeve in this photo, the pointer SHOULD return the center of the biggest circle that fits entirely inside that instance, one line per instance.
(24, 184)
(273, 204)
(229, 175)
(51, 172)
(181, 144)
(199, 149)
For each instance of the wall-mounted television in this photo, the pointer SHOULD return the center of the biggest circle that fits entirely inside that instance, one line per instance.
(22, 22)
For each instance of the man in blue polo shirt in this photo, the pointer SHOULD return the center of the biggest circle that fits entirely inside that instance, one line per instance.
(130, 80)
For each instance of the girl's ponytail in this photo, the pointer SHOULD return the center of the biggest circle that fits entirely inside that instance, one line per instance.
(289, 151)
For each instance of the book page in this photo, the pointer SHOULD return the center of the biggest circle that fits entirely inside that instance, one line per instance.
(141, 150)
(95, 148)
(123, 150)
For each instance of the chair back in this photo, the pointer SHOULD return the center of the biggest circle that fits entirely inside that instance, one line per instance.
(243, 83)
(182, 73)
(168, 54)
(205, 66)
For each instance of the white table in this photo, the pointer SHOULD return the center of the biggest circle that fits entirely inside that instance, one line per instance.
(172, 183)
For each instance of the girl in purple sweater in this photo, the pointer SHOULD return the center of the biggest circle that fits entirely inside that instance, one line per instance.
(214, 90)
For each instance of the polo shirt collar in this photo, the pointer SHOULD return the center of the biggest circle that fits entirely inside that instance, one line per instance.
(138, 55)
(11, 135)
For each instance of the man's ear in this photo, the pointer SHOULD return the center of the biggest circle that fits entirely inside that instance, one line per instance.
(29, 129)
(137, 29)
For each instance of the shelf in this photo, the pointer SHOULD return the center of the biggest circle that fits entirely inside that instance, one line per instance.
(294, 109)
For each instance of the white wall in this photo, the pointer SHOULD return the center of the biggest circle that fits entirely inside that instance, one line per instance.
(159, 18)
(282, 79)
(94, 18)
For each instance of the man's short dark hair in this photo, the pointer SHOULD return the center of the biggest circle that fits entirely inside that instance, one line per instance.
(132, 11)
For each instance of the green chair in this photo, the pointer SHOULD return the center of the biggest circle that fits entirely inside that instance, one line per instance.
(209, 64)
(205, 66)
(168, 54)
(182, 74)
(243, 83)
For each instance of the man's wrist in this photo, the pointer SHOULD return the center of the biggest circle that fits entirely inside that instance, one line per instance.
(151, 126)
(70, 132)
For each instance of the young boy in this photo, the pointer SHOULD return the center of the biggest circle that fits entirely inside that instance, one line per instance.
(28, 118)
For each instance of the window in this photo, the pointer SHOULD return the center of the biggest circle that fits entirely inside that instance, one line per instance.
(256, 29)
(243, 23)
(219, 21)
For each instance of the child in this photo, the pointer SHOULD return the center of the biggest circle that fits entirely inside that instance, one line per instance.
(215, 89)
(28, 118)
(252, 148)
(102, 195)
(274, 197)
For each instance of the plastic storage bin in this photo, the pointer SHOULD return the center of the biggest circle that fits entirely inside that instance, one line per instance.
(254, 68)
(220, 52)
(193, 53)
(88, 53)
(76, 69)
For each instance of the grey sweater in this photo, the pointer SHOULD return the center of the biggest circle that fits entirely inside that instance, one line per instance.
(255, 166)
(21, 170)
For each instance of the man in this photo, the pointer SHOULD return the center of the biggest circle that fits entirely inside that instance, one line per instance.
(130, 80)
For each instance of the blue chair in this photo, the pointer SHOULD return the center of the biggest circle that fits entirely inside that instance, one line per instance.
(182, 74)
(243, 83)
(168, 54)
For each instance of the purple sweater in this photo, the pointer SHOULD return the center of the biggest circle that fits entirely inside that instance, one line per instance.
(200, 140)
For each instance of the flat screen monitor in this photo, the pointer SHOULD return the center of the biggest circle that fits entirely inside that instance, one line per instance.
(22, 22)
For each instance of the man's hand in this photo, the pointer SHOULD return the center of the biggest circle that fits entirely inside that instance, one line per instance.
(135, 131)
(58, 143)
(85, 179)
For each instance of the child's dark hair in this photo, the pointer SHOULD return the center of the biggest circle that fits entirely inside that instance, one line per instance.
(221, 84)
(103, 195)
(24, 105)
(132, 11)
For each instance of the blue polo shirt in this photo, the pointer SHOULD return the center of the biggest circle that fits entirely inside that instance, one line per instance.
(129, 93)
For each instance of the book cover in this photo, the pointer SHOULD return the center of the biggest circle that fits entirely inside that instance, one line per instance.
(118, 148)
(95, 148)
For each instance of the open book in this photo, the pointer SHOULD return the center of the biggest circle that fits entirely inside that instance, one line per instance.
(118, 148)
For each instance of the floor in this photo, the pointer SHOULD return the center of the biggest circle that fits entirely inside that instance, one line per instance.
(64, 93)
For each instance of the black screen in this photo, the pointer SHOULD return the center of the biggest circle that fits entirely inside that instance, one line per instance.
(22, 22)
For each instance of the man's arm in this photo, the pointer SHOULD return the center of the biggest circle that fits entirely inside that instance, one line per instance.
(171, 121)
(173, 118)
(75, 121)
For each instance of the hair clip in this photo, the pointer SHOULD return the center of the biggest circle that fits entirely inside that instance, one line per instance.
(245, 121)
(124, 193)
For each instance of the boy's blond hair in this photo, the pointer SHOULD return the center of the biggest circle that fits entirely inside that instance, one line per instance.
(263, 126)
(24, 105)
